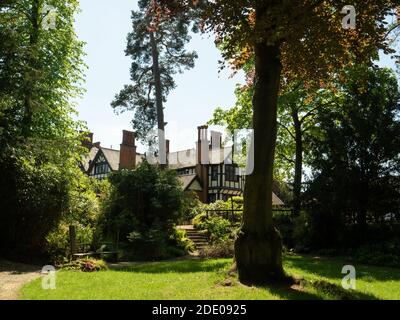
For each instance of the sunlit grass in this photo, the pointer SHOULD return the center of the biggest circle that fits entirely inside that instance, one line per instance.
(208, 280)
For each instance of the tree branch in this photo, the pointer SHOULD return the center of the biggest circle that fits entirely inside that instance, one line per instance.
(169, 52)
(285, 157)
(287, 129)
(309, 114)
(391, 30)
(143, 73)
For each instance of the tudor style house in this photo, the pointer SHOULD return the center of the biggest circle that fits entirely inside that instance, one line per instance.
(100, 161)
(208, 169)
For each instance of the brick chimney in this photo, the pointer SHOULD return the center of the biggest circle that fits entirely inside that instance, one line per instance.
(127, 154)
(87, 141)
(216, 140)
(202, 145)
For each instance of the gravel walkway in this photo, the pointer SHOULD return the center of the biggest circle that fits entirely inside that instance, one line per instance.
(13, 276)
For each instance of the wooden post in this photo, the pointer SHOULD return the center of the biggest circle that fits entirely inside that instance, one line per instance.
(117, 240)
(72, 240)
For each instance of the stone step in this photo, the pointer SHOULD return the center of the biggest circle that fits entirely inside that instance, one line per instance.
(198, 237)
(195, 233)
(200, 241)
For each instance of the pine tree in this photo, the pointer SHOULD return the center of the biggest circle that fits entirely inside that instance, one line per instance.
(157, 49)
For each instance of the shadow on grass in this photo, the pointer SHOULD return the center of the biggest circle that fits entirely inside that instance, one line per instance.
(332, 268)
(301, 290)
(179, 266)
(317, 290)
(293, 292)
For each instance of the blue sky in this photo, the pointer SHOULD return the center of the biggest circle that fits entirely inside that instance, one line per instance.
(104, 25)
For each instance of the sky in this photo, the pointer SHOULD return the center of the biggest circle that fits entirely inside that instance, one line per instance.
(103, 25)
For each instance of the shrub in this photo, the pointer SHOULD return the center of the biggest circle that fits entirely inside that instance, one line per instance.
(146, 201)
(83, 212)
(219, 249)
(381, 254)
(86, 265)
(33, 198)
(181, 241)
(153, 245)
(58, 245)
(220, 225)
(283, 221)
(190, 208)
(219, 229)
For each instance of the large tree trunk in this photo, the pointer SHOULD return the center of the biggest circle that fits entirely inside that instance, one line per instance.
(258, 248)
(159, 99)
(298, 172)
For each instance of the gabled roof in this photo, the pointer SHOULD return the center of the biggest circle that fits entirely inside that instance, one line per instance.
(190, 182)
(276, 201)
(87, 159)
(112, 157)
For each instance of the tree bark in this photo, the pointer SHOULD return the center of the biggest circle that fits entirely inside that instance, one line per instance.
(298, 164)
(159, 98)
(258, 248)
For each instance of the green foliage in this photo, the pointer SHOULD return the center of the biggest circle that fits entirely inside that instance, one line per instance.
(355, 187)
(85, 265)
(33, 198)
(222, 224)
(380, 254)
(181, 241)
(223, 248)
(143, 206)
(191, 207)
(40, 144)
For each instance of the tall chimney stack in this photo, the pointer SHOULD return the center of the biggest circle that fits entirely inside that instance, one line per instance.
(127, 154)
(216, 140)
(202, 145)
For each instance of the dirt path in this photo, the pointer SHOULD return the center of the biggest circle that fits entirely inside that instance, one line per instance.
(13, 276)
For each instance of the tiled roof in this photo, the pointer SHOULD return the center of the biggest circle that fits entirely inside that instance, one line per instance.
(112, 157)
(187, 180)
(89, 157)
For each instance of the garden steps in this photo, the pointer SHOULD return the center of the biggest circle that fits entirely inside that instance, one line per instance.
(198, 237)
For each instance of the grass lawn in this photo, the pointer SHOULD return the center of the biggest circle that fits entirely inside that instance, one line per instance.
(208, 280)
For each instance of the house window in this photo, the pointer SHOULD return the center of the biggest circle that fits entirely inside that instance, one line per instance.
(230, 173)
(214, 173)
(101, 166)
